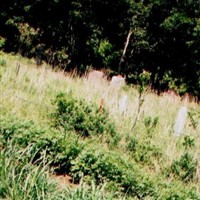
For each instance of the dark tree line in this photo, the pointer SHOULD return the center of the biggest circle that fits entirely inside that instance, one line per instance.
(126, 36)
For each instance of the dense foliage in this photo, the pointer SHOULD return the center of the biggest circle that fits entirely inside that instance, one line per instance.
(83, 118)
(164, 37)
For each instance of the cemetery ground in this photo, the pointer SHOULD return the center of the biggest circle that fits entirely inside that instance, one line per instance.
(55, 142)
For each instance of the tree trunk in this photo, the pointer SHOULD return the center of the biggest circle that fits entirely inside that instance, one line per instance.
(125, 48)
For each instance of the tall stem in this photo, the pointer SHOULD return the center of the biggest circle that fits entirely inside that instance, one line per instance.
(125, 49)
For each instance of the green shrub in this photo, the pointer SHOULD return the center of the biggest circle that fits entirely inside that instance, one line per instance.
(185, 168)
(137, 185)
(132, 144)
(144, 152)
(20, 179)
(83, 118)
(150, 124)
(2, 65)
(176, 192)
(67, 155)
(100, 167)
(194, 116)
(58, 150)
(189, 142)
(2, 42)
(2, 61)
(112, 169)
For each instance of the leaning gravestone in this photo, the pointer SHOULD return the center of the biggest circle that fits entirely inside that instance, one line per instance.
(123, 103)
(117, 82)
(180, 121)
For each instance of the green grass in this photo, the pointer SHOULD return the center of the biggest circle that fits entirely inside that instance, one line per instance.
(146, 162)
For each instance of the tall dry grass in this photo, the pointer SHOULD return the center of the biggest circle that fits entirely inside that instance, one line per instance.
(27, 91)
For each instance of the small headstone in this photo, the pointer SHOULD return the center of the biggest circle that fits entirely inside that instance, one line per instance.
(95, 75)
(123, 103)
(180, 120)
(117, 82)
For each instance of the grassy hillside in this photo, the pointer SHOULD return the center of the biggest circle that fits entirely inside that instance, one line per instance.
(50, 125)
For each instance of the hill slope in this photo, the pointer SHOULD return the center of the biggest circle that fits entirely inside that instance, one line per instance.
(50, 123)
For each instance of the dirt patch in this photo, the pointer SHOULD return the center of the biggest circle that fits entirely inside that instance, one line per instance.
(64, 181)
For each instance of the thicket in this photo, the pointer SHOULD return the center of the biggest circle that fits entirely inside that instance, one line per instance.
(70, 155)
(21, 179)
(86, 119)
(162, 37)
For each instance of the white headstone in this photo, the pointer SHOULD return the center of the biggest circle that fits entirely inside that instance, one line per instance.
(123, 103)
(95, 75)
(117, 82)
(180, 120)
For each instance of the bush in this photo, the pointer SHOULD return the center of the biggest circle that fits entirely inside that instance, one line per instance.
(194, 115)
(143, 152)
(83, 118)
(100, 167)
(150, 124)
(20, 179)
(66, 155)
(106, 168)
(137, 185)
(189, 142)
(2, 42)
(185, 168)
(176, 192)
(132, 144)
(58, 151)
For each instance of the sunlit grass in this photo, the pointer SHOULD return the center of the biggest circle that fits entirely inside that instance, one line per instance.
(27, 92)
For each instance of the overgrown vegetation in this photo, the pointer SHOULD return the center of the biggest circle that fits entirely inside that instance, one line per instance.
(83, 118)
(51, 124)
(20, 179)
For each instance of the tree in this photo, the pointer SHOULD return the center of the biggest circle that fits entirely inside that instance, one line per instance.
(126, 36)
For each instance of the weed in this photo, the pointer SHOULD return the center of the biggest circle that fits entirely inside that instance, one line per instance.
(132, 144)
(189, 142)
(143, 81)
(2, 62)
(150, 124)
(185, 168)
(143, 152)
(194, 116)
